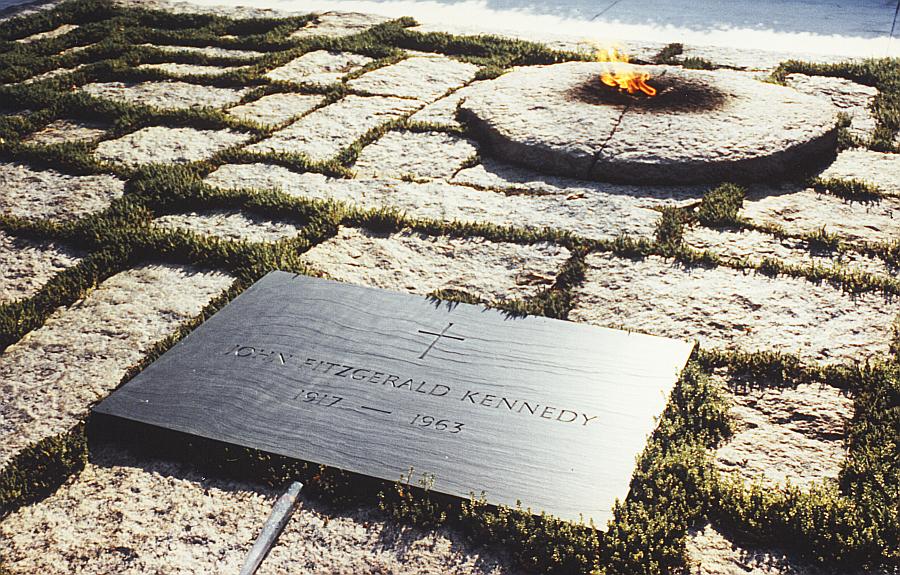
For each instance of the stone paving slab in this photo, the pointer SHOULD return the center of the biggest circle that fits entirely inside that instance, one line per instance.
(177, 69)
(807, 211)
(55, 33)
(64, 130)
(209, 51)
(159, 144)
(754, 246)
(26, 265)
(51, 74)
(319, 68)
(230, 225)
(422, 78)
(129, 514)
(326, 131)
(35, 194)
(276, 109)
(168, 94)
(878, 168)
(847, 96)
(339, 24)
(732, 309)
(420, 264)
(787, 434)
(420, 155)
(590, 214)
(55, 373)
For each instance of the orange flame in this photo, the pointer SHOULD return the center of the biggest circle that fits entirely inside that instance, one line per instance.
(622, 75)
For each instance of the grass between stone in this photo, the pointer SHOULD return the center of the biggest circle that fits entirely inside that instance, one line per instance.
(675, 487)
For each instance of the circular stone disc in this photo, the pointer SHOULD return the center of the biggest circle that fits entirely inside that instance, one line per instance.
(701, 127)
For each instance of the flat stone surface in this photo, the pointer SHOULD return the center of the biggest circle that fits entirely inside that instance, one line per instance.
(158, 144)
(849, 97)
(789, 434)
(727, 308)
(35, 194)
(128, 514)
(547, 118)
(420, 155)
(26, 265)
(59, 131)
(276, 109)
(55, 33)
(326, 131)
(443, 112)
(587, 213)
(51, 74)
(169, 94)
(210, 51)
(319, 67)
(423, 78)
(230, 225)
(81, 353)
(754, 246)
(807, 211)
(177, 69)
(339, 24)
(420, 264)
(878, 168)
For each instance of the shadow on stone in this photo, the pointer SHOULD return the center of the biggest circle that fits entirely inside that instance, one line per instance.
(673, 94)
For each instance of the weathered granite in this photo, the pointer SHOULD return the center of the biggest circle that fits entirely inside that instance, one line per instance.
(177, 69)
(26, 265)
(800, 210)
(130, 514)
(55, 33)
(161, 144)
(420, 155)
(230, 225)
(787, 434)
(276, 109)
(319, 68)
(36, 194)
(588, 213)
(64, 130)
(168, 94)
(443, 112)
(878, 168)
(549, 118)
(732, 309)
(849, 97)
(54, 374)
(423, 78)
(210, 51)
(339, 24)
(420, 264)
(51, 74)
(323, 133)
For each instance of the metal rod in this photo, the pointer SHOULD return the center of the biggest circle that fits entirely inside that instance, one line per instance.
(273, 527)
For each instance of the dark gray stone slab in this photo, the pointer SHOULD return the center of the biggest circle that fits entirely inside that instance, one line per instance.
(546, 412)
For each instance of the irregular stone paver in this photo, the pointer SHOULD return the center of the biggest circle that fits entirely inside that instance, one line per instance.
(276, 109)
(158, 144)
(59, 131)
(211, 51)
(807, 211)
(421, 264)
(177, 69)
(429, 155)
(230, 225)
(168, 94)
(754, 246)
(34, 194)
(425, 79)
(589, 214)
(443, 111)
(787, 434)
(727, 308)
(339, 24)
(26, 265)
(849, 97)
(53, 375)
(319, 68)
(878, 168)
(55, 33)
(129, 514)
(701, 126)
(323, 133)
(52, 74)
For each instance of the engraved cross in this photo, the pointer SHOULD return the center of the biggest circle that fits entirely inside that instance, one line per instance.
(438, 336)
